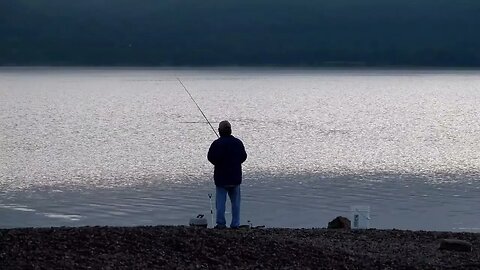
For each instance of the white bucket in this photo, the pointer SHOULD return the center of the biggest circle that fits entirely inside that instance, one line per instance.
(360, 217)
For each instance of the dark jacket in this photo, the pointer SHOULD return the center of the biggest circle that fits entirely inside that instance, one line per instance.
(227, 153)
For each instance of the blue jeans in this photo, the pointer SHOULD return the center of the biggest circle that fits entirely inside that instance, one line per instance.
(220, 200)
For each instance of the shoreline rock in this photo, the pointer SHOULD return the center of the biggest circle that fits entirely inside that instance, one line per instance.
(455, 245)
(181, 247)
(340, 223)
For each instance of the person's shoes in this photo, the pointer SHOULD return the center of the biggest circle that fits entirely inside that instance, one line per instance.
(235, 228)
(220, 226)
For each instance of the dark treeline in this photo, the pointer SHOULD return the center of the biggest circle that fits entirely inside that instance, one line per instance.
(240, 32)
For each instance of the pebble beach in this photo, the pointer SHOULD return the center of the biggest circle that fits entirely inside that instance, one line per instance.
(180, 247)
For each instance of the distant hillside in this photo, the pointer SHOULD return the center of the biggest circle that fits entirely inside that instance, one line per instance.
(246, 32)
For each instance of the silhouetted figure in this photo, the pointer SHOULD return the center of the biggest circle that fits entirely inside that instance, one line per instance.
(227, 153)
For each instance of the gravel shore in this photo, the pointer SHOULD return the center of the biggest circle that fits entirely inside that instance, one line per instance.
(178, 247)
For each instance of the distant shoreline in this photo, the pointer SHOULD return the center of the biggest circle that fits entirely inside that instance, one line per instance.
(242, 67)
(258, 70)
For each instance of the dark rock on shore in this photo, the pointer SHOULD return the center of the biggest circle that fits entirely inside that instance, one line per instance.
(166, 247)
(456, 245)
(340, 223)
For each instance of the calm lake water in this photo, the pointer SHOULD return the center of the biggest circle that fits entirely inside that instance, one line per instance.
(128, 146)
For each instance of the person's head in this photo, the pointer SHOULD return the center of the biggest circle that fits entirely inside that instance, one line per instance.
(224, 128)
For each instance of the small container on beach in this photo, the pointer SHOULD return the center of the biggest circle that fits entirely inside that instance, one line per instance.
(360, 217)
(199, 221)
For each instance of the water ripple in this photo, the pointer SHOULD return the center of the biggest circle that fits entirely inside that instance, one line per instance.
(128, 147)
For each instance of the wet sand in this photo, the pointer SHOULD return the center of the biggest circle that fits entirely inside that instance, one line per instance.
(178, 247)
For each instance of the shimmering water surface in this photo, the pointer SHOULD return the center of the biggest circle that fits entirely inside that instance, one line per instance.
(128, 146)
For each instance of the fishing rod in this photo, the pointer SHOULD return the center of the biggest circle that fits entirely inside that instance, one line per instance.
(197, 106)
(204, 116)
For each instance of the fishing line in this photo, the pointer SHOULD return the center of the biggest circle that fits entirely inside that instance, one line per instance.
(204, 116)
(197, 106)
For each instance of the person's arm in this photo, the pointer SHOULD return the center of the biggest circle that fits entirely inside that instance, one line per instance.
(244, 153)
(212, 155)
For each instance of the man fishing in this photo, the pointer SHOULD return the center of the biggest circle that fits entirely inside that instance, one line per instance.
(227, 154)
